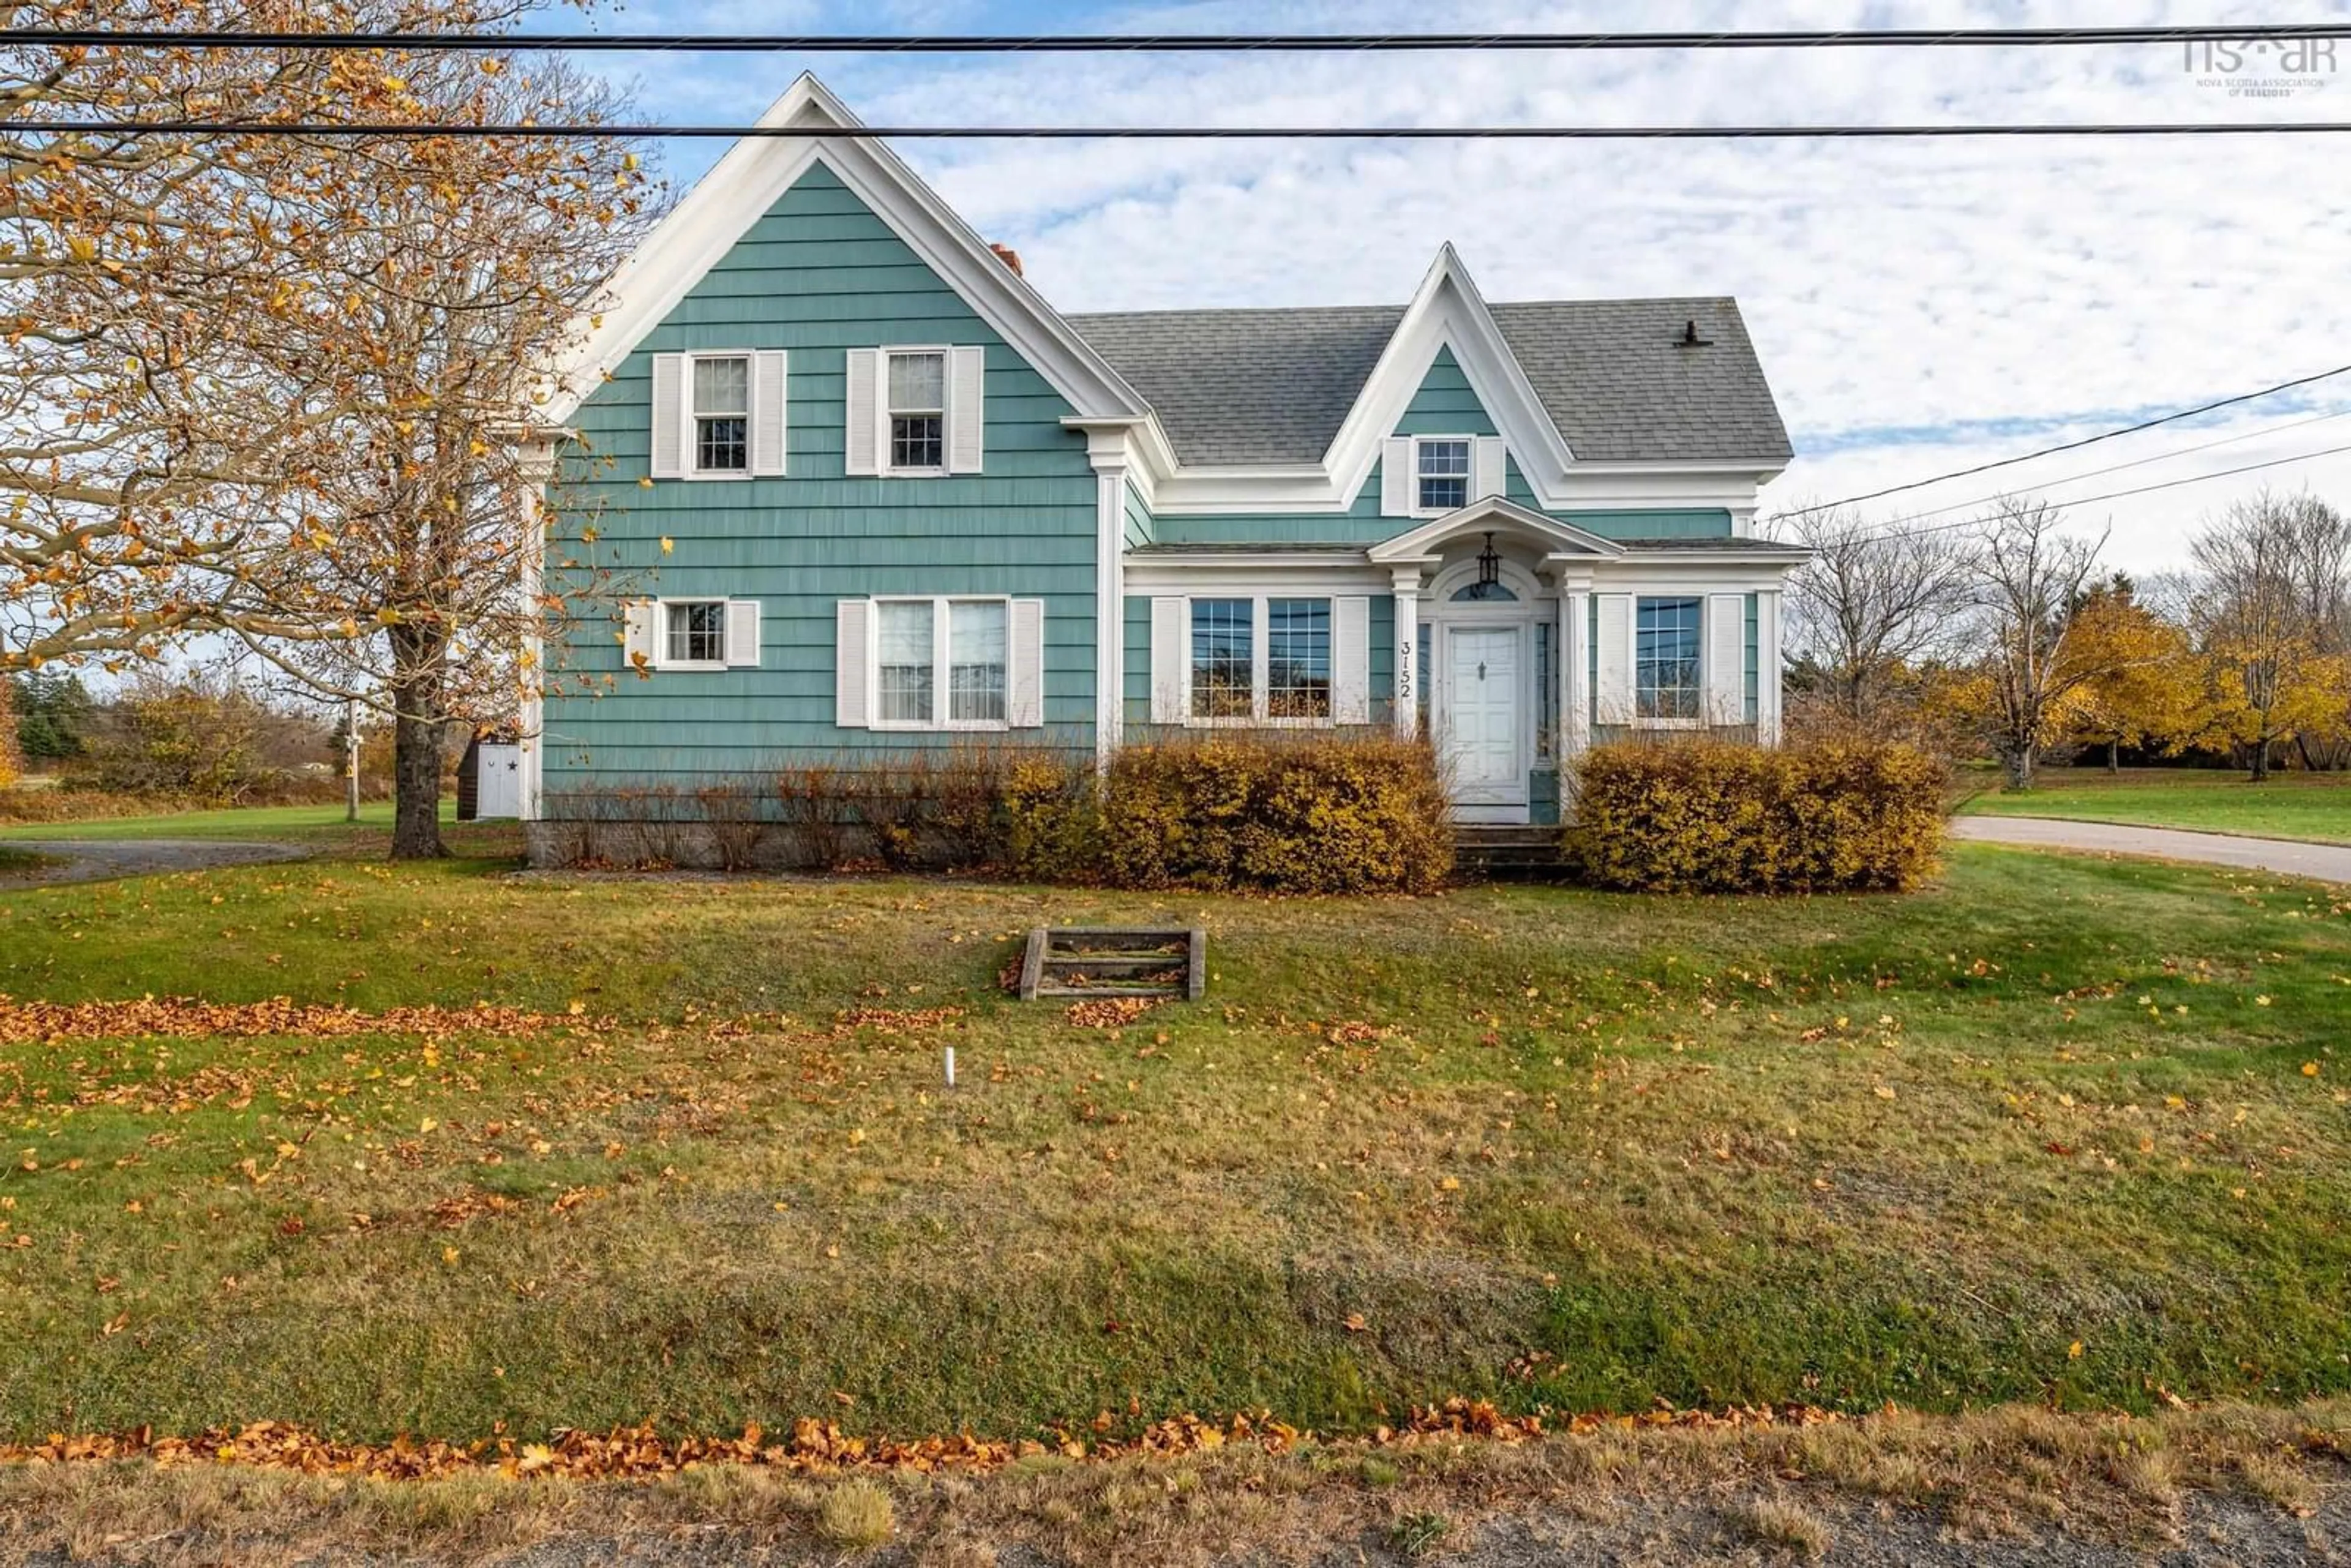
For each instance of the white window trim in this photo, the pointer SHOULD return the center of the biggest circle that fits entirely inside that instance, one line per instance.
(661, 660)
(883, 467)
(940, 654)
(1634, 664)
(1468, 474)
(691, 433)
(1260, 652)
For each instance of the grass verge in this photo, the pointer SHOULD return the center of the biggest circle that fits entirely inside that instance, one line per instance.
(2314, 807)
(2017, 1472)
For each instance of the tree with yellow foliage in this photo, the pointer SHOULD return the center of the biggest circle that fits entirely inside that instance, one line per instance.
(10, 765)
(2146, 686)
(2272, 669)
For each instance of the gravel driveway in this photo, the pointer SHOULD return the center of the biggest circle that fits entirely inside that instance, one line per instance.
(97, 860)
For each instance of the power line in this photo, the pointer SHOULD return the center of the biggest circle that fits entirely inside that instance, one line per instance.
(1893, 533)
(2068, 446)
(1186, 43)
(1172, 132)
(2171, 455)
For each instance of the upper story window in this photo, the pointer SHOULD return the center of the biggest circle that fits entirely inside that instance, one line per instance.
(918, 410)
(1665, 653)
(1441, 472)
(695, 632)
(722, 415)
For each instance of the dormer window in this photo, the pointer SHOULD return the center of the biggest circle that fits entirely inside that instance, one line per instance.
(1441, 470)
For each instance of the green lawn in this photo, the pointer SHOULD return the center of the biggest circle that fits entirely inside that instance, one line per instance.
(2314, 806)
(2056, 1130)
(291, 823)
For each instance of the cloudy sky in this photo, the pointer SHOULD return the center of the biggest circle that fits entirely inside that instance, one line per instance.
(1919, 306)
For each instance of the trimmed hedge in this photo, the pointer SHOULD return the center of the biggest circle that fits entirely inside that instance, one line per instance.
(1320, 814)
(1712, 816)
(1279, 814)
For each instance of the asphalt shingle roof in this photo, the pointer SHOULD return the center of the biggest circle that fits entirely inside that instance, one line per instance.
(1274, 385)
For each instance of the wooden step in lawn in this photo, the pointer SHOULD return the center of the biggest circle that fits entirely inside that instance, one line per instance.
(1110, 961)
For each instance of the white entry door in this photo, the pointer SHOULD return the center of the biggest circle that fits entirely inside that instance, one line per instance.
(1483, 685)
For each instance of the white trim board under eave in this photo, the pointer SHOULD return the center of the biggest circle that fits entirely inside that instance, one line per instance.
(747, 180)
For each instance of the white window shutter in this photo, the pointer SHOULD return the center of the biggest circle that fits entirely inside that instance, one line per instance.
(851, 653)
(1351, 660)
(1725, 658)
(862, 421)
(742, 634)
(1611, 617)
(1024, 704)
(637, 632)
(1171, 673)
(1396, 488)
(966, 408)
(768, 405)
(668, 454)
(1486, 471)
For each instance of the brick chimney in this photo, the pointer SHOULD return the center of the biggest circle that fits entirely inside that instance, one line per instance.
(1010, 257)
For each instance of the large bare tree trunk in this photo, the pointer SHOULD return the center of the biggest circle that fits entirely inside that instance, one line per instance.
(416, 746)
(2018, 765)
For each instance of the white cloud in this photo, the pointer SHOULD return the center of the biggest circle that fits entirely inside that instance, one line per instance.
(1919, 306)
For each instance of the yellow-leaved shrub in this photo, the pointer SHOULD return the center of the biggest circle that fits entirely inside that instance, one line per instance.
(1319, 813)
(1716, 816)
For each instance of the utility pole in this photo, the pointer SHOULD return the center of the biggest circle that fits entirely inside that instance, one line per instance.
(351, 760)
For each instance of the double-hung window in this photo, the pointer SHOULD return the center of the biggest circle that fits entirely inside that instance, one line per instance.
(722, 414)
(1289, 684)
(1441, 472)
(1224, 658)
(693, 634)
(917, 391)
(1666, 653)
(1297, 659)
(934, 652)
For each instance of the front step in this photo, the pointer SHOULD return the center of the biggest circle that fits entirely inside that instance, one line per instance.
(1515, 852)
(1090, 961)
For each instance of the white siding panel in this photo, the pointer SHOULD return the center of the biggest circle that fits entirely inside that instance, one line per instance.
(742, 634)
(768, 406)
(1396, 476)
(1025, 699)
(1351, 660)
(966, 408)
(1612, 615)
(1486, 467)
(862, 448)
(851, 654)
(668, 460)
(1170, 670)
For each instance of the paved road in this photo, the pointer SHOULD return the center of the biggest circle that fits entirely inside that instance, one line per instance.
(2327, 862)
(96, 860)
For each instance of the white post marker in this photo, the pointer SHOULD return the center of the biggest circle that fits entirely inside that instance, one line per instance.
(951, 1067)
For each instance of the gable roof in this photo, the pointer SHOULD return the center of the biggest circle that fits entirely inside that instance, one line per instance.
(747, 180)
(1274, 386)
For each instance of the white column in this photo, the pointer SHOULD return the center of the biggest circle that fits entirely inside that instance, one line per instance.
(1109, 607)
(1405, 695)
(534, 472)
(1766, 667)
(1574, 682)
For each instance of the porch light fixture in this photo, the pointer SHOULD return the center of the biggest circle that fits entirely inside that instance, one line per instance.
(1490, 565)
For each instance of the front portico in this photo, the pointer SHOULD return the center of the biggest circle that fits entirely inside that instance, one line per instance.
(1520, 637)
